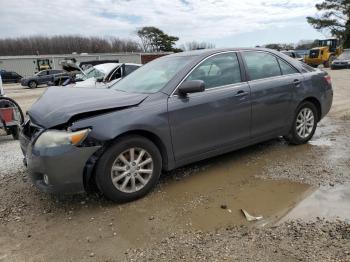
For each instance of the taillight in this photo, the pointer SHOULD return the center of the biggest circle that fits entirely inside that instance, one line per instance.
(328, 80)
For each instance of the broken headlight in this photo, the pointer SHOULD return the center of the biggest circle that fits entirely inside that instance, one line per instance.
(54, 138)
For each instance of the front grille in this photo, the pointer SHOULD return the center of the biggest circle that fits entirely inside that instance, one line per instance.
(30, 130)
(314, 53)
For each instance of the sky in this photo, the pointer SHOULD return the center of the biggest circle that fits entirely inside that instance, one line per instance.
(225, 23)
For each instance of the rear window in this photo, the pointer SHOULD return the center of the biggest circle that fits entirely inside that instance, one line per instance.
(286, 68)
(306, 68)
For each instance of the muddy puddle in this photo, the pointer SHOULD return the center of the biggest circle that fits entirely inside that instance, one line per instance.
(213, 198)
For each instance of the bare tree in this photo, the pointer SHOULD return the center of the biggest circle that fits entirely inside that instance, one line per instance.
(194, 45)
(65, 44)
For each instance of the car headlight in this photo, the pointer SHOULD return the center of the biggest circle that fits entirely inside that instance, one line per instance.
(54, 138)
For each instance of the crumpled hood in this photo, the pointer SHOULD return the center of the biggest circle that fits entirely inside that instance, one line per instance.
(59, 104)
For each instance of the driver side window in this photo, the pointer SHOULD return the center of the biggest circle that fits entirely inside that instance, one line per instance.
(219, 70)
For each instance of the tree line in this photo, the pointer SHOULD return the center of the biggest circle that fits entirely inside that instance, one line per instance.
(301, 45)
(37, 45)
(152, 40)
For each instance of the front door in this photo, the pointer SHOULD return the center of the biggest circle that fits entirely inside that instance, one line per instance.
(217, 118)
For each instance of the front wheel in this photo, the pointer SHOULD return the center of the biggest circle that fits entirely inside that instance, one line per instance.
(33, 84)
(129, 169)
(304, 124)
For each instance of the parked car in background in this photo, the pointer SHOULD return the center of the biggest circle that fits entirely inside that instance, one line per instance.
(342, 61)
(104, 75)
(2, 93)
(10, 77)
(42, 77)
(162, 115)
(293, 54)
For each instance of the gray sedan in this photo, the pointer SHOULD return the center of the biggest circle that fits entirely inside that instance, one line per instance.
(43, 77)
(173, 111)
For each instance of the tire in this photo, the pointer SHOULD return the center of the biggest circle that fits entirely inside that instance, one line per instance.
(294, 136)
(328, 63)
(15, 132)
(33, 84)
(111, 158)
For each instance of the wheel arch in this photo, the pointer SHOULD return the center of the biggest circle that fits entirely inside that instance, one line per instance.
(90, 167)
(317, 103)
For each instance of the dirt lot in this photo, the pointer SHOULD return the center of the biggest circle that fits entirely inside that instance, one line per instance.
(302, 192)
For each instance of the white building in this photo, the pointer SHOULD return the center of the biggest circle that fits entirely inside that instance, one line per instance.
(29, 65)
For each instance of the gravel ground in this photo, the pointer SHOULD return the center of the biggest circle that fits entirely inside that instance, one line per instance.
(184, 218)
(292, 241)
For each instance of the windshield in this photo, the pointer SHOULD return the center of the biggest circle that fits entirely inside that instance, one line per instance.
(91, 72)
(345, 56)
(153, 76)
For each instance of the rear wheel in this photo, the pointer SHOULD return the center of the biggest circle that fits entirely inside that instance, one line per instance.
(304, 124)
(129, 169)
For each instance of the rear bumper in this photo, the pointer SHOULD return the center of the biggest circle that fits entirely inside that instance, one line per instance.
(327, 102)
(63, 166)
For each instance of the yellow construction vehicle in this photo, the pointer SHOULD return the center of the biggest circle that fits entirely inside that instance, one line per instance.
(325, 53)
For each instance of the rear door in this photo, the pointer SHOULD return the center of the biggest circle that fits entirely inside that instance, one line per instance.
(44, 77)
(272, 82)
(217, 118)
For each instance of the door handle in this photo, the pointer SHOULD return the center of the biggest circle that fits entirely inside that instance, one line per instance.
(241, 93)
(297, 82)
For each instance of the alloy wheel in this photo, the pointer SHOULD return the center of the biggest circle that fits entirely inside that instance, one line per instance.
(132, 170)
(305, 122)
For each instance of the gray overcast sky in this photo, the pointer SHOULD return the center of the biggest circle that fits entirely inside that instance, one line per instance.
(222, 22)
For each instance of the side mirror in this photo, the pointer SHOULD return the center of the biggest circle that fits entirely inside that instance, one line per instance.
(192, 86)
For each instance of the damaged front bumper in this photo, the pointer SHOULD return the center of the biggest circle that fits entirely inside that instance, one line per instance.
(56, 170)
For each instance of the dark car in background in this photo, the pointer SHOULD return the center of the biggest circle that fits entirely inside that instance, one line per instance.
(293, 54)
(173, 111)
(342, 61)
(42, 77)
(10, 77)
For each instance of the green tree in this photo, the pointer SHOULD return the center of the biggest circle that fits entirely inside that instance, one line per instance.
(335, 18)
(155, 40)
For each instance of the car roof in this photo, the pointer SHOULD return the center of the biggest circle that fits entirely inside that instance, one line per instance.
(106, 68)
(133, 64)
(208, 52)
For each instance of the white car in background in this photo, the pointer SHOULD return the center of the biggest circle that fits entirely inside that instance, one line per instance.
(104, 75)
